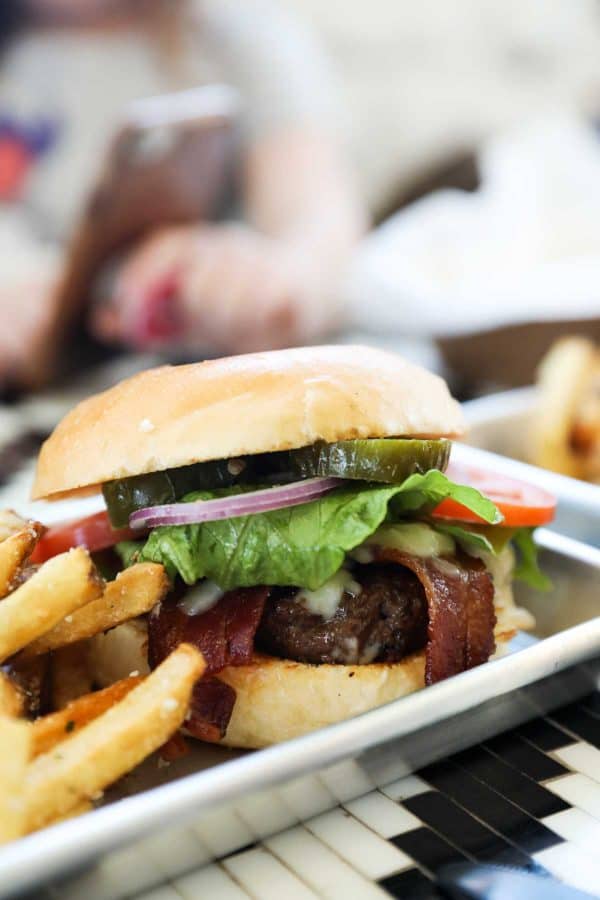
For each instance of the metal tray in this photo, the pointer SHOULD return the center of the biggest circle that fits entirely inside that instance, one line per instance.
(215, 801)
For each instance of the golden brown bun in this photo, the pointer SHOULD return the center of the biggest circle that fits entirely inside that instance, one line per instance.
(278, 699)
(175, 415)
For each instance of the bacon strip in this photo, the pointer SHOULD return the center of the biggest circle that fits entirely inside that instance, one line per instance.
(460, 600)
(225, 636)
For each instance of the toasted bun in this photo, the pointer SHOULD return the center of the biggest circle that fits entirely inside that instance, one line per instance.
(278, 699)
(176, 415)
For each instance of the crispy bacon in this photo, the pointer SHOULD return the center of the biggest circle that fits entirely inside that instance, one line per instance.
(225, 636)
(460, 601)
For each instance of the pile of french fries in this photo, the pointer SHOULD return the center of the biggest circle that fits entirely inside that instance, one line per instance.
(56, 765)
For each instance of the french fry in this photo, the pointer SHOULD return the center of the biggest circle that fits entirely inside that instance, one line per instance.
(134, 592)
(79, 809)
(14, 755)
(11, 697)
(48, 731)
(71, 677)
(15, 548)
(56, 590)
(105, 749)
(561, 378)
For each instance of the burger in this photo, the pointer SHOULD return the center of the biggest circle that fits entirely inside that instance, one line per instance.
(322, 555)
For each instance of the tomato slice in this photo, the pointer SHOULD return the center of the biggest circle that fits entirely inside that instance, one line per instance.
(94, 532)
(521, 504)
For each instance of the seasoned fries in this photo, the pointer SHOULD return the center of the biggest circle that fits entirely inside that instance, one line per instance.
(17, 540)
(134, 592)
(83, 765)
(56, 590)
(54, 767)
(47, 731)
(14, 754)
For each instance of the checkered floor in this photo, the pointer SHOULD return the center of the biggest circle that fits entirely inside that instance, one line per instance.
(529, 798)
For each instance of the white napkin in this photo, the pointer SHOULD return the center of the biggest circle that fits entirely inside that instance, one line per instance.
(524, 247)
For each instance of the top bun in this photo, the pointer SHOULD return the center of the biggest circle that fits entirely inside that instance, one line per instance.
(175, 415)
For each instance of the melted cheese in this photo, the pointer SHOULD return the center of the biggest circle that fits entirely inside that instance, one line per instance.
(326, 599)
(201, 598)
(415, 538)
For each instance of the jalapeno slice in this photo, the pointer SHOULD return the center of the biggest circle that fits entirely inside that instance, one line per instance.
(124, 496)
(389, 460)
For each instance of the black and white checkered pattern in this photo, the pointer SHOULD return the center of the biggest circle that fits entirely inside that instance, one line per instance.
(529, 798)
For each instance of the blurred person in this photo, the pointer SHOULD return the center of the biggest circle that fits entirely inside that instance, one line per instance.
(69, 69)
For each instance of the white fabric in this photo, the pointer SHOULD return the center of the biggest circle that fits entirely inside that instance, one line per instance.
(524, 247)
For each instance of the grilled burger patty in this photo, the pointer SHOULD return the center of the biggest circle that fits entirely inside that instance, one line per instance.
(385, 622)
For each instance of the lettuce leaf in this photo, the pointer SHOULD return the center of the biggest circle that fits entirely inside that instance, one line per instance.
(302, 545)
(527, 568)
(472, 542)
(475, 539)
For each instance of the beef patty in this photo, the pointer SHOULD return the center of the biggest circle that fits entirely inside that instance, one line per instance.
(384, 623)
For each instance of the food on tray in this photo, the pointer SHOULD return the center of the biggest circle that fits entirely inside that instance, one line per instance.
(53, 766)
(566, 427)
(317, 555)
(99, 753)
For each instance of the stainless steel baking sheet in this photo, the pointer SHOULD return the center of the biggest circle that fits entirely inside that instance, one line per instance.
(211, 790)
(158, 820)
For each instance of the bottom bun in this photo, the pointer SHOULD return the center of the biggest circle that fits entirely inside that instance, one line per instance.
(279, 699)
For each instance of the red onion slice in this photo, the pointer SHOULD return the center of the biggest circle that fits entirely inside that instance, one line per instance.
(237, 505)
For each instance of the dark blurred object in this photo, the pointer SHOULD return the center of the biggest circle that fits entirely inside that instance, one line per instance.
(172, 162)
(457, 171)
(506, 357)
(12, 17)
(14, 452)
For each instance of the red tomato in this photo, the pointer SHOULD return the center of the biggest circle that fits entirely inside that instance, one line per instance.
(521, 504)
(94, 532)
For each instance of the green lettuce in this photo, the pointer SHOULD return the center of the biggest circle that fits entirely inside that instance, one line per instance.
(478, 539)
(301, 545)
(527, 568)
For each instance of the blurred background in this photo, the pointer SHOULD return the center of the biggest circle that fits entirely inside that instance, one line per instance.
(187, 178)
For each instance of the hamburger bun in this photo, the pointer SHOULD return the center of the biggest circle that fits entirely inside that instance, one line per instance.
(279, 699)
(176, 415)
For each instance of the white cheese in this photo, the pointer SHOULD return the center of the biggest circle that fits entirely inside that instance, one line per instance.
(326, 599)
(201, 598)
(415, 538)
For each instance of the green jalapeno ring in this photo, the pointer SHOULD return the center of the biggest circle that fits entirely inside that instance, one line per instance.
(387, 460)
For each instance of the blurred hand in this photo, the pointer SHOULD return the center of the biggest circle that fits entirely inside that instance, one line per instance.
(224, 287)
(27, 311)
